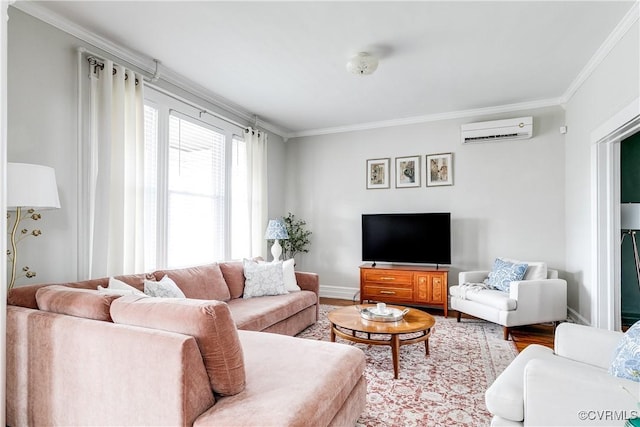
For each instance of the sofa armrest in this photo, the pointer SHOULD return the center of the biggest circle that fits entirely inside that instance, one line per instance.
(308, 281)
(563, 392)
(472, 276)
(586, 344)
(114, 374)
(540, 300)
(528, 289)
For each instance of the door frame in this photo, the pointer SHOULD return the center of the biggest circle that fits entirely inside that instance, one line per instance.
(605, 197)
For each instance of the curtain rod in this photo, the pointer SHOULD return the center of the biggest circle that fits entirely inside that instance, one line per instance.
(152, 79)
(202, 109)
(97, 63)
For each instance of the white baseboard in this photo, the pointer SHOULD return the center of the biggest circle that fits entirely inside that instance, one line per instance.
(339, 292)
(577, 318)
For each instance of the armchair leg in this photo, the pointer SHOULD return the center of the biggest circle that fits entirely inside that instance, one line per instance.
(505, 331)
(458, 316)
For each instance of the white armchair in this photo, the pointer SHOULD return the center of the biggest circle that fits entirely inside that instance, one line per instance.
(568, 387)
(527, 302)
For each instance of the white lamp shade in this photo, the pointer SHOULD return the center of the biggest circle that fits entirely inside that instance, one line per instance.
(31, 186)
(630, 216)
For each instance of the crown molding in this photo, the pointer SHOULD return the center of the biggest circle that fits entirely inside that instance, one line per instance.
(430, 118)
(148, 65)
(630, 18)
(142, 62)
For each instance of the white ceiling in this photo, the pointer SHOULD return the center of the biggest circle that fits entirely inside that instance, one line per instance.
(285, 61)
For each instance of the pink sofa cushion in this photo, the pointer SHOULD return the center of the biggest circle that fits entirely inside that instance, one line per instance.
(294, 382)
(136, 280)
(77, 302)
(258, 314)
(201, 282)
(209, 322)
(234, 276)
(25, 296)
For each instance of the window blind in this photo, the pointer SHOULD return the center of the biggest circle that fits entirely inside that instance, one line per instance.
(196, 193)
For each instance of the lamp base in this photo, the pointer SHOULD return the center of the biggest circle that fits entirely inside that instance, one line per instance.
(14, 247)
(276, 250)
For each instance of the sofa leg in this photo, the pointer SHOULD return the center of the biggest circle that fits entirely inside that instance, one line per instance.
(505, 331)
(458, 317)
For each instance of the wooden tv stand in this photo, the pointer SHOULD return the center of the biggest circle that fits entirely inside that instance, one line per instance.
(405, 284)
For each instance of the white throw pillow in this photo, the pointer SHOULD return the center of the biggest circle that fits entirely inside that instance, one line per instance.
(165, 288)
(289, 275)
(262, 279)
(535, 270)
(118, 287)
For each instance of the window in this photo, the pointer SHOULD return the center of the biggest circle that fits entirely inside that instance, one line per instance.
(191, 163)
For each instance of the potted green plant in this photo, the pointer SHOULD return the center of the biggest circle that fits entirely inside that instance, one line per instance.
(298, 241)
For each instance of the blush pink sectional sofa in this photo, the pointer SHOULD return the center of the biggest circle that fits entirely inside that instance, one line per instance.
(79, 357)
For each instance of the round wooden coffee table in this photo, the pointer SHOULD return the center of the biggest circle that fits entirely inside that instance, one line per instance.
(346, 322)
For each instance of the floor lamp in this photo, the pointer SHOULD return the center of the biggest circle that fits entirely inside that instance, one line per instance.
(629, 223)
(29, 187)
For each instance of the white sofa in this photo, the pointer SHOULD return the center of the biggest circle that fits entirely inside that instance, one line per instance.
(568, 387)
(527, 302)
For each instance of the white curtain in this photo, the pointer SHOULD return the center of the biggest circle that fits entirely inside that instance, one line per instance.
(256, 143)
(116, 172)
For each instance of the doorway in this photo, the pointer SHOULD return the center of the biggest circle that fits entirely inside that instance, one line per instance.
(629, 193)
(606, 248)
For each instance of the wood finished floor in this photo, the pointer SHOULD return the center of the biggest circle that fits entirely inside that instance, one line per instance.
(522, 336)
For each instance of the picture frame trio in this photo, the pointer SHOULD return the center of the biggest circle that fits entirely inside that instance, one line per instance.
(408, 171)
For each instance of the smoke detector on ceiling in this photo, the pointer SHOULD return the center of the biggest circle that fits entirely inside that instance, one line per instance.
(362, 64)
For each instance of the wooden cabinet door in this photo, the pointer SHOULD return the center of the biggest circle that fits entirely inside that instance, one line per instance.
(437, 289)
(422, 287)
(430, 288)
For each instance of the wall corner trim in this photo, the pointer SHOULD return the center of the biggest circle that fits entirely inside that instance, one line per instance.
(616, 35)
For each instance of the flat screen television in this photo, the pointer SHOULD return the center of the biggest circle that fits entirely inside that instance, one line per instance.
(420, 238)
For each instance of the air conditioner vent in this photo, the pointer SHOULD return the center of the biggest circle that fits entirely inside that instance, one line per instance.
(497, 130)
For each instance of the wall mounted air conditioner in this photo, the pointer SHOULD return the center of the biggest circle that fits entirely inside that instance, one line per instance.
(497, 130)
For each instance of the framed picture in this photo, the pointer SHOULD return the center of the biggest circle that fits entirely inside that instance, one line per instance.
(408, 171)
(439, 169)
(378, 173)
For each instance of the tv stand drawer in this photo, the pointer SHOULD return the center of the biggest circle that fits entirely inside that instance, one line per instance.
(389, 277)
(388, 293)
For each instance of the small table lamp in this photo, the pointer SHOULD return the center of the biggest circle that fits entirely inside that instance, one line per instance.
(32, 187)
(629, 223)
(276, 230)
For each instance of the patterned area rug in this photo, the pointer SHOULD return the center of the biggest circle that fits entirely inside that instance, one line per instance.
(445, 388)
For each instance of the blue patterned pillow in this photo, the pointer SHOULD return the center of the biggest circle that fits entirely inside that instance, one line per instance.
(626, 360)
(503, 273)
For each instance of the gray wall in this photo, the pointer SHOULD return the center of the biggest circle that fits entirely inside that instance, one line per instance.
(610, 88)
(507, 198)
(42, 117)
(42, 110)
